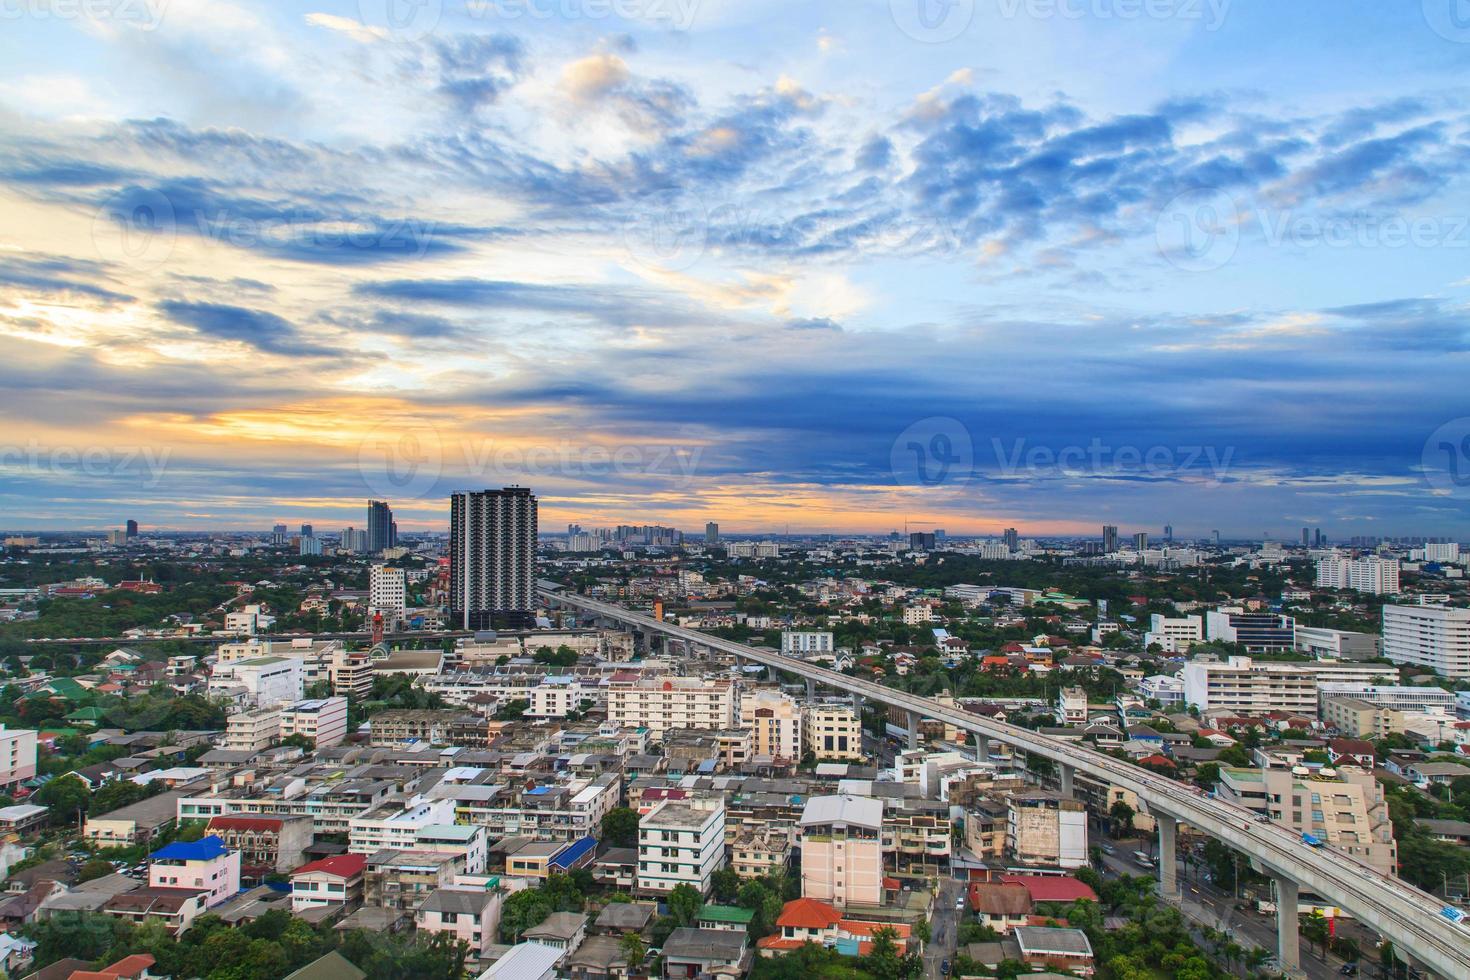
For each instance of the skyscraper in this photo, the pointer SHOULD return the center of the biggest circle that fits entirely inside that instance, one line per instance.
(1304, 538)
(1110, 538)
(1169, 533)
(1140, 541)
(492, 559)
(132, 529)
(1013, 538)
(379, 526)
(712, 533)
(1217, 538)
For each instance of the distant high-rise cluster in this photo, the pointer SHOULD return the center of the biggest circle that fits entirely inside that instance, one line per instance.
(492, 558)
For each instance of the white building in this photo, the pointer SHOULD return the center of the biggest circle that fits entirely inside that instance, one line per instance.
(1072, 706)
(249, 620)
(917, 615)
(1168, 691)
(396, 825)
(1259, 632)
(1437, 637)
(1256, 686)
(558, 696)
(1372, 574)
(832, 730)
(662, 703)
(681, 842)
(1174, 634)
(387, 594)
(17, 755)
(254, 730)
(322, 720)
(1330, 644)
(802, 642)
(260, 682)
(1442, 552)
(1410, 699)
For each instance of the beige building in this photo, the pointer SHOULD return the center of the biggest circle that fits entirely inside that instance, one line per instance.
(832, 731)
(774, 721)
(753, 855)
(1346, 810)
(252, 731)
(842, 850)
(321, 720)
(1046, 830)
(662, 703)
(1357, 718)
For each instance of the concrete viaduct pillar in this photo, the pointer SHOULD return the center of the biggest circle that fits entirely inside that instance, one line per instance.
(1288, 944)
(1168, 854)
(913, 730)
(811, 689)
(1066, 772)
(982, 748)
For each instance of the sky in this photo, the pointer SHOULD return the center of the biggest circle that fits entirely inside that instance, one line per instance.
(827, 267)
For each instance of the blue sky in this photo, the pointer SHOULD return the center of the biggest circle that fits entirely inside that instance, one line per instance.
(832, 266)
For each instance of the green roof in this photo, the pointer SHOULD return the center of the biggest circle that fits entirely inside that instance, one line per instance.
(91, 713)
(726, 913)
(65, 687)
(333, 966)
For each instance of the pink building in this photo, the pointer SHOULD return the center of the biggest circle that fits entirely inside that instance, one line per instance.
(17, 755)
(471, 914)
(206, 864)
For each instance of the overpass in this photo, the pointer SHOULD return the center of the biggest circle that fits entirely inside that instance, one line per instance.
(1393, 908)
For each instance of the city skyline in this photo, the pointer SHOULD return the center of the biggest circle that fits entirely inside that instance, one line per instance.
(670, 265)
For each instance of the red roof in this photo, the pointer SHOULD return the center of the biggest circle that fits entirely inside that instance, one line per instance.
(1157, 760)
(341, 865)
(245, 823)
(128, 966)
(1052, 888)
(808, 913)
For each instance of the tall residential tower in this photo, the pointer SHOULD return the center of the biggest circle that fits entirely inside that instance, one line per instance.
(492, 559)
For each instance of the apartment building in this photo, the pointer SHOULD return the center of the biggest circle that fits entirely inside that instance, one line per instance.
(1259, 632)
(802, 643)
(663, 703)
(266, 844)
(919, 835)
(402, 880)
(253, 730)
(1357, 718)
(1436, 637)
(1174, 634)
(207, 865)
(832, 730)
(1246, 685)
(259, 682)
(17, 755)
(1046, 830)
(1421, 699)
(1372, 574)
(1347, 811)
(322, 721)
(396, 824)
(681, 842)
(559, 695)
(549, 812)
(774, 721)
(387, 595)
(431, 726)
(1071, 706)
(842, 850)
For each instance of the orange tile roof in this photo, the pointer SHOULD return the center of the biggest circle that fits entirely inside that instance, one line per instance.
(808, 913)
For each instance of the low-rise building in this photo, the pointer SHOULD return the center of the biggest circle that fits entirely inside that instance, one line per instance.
(208, 865)
(832, 730)
(471, 915)
(336, 880)
(1047, 830)
(681, 843)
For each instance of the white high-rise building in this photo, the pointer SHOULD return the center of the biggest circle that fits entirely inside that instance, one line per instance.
(1371, 574)
(492, 558)
(387, 594)
(1446, 552)
(1437, 637)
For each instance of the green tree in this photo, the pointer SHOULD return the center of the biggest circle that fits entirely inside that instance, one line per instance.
(634, 950)
(684, 902)
(95, 868)
(725, 884)
(522, 910)
(620, 827)
(65, 796)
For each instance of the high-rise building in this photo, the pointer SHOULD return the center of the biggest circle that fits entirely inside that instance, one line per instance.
(278, 534)
(712, 533)
(1140, 541)
(1305, 539)
(1319, 540)
(492, 558)
(306, 531)
(387, 594)
(1437, 637)
(1370, 574)
(1217, 538)
(1169, 533)
(1013, 538)
(379, 526)
(1110, 538)
(921, 541)
(132, 529)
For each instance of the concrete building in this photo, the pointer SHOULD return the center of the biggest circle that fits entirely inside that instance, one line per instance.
(1330, 644)
(1347, 811)
(681, 842)
(1372, 574)
(1168, 691)
(1259, 632)
(259, 682)
(1071, 706)
(396, 824)
(1174, 634)
(206, 864)
(253, 730)
(468, 914)
(663, 703)
(1046, 830)
(387, 595)
(842, 850)
(774, 721)
(492, 559)
(323, 721)
(17, 755)
(1357, 718)
(801, 643)
(832, 730)
(336, 880)
(266, 844)
(1437, 637)
(1255, 686)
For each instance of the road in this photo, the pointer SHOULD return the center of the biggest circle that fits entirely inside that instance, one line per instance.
(944, 928)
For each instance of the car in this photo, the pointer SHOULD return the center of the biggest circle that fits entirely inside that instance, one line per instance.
(959, 904)
(1349, 970)
(944, 967)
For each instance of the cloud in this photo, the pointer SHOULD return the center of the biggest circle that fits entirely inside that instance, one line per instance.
(255, 328)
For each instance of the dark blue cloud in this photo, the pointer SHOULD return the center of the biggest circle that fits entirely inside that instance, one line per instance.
(58, 276)
(258, 328)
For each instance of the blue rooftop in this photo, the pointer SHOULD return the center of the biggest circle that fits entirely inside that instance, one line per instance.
(574, 851)
(203, 849)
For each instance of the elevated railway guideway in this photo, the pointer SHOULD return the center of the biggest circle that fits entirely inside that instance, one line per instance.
(1411, 918)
